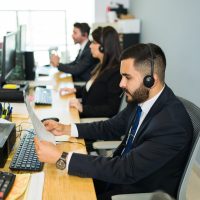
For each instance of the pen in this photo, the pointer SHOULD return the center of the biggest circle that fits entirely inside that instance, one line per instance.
(10, 111)
(0, 109)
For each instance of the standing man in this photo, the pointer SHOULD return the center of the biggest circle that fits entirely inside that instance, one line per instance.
(84, 63)
(157, 128)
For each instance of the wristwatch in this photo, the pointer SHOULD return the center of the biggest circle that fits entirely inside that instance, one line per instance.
(61, 163)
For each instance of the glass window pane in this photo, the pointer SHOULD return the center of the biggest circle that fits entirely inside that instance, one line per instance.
(44, 28)
(7, 25)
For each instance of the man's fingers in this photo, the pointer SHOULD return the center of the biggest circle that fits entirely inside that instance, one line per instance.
(37, 143)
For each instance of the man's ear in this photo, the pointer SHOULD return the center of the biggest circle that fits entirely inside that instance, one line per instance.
(156, 79)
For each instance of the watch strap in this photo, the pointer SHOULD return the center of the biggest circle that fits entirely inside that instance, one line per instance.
(64, 155)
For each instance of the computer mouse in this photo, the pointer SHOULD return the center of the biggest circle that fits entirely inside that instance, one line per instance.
(50, 118)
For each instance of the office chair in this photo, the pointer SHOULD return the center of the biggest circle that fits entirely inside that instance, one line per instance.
(144, 196)
(194, 113)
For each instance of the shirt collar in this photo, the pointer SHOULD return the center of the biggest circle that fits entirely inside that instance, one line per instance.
(82, 46)
(146, 106)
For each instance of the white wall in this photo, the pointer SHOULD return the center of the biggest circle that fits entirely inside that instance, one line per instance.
(175, 26)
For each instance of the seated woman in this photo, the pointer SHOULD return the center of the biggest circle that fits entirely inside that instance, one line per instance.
(101, 94)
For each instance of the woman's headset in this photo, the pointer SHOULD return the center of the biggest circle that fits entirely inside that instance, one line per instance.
(101, 47)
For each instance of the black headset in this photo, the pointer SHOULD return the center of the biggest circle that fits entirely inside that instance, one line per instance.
(101, 47)
(148, 80)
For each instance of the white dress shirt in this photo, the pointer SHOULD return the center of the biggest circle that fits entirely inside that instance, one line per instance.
(82, 46)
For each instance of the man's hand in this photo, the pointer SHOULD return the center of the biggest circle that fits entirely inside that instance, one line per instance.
(76, 104)
(46, 151)
(57, 128)
(54, 61)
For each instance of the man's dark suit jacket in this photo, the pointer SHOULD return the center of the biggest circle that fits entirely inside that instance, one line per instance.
(103, 98)
(159, 154)
(82, 66)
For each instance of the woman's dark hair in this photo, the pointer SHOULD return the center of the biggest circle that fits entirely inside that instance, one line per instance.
(108, 38)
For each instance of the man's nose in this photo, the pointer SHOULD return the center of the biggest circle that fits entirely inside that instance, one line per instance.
(122, 83)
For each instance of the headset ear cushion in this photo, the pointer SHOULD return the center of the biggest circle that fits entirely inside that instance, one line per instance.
(148, 81)
(101, 49)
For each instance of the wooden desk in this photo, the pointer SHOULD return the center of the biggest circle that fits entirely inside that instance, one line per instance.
(58, 184)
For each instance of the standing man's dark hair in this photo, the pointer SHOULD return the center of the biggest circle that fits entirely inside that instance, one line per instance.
(84, 28)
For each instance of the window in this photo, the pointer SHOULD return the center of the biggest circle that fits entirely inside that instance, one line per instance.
(48, 24)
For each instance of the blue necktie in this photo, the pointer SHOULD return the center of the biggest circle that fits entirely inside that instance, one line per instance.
(132, 132)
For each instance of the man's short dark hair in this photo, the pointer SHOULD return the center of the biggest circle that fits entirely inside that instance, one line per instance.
(142, 58)
(83, 27)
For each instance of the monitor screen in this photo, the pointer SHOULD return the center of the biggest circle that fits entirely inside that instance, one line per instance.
(8, 56)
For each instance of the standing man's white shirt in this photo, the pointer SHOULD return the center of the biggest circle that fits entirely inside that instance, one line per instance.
(82, 46)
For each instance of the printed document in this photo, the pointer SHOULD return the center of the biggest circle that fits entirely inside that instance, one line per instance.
(38, 126)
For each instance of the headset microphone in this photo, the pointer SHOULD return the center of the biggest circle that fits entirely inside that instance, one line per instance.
(122, 94)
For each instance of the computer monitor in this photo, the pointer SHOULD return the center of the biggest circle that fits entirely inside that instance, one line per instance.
(8, 56)
(22, 29)
(21, 38)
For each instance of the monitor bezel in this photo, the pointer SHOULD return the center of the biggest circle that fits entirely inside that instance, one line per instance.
(4, 75)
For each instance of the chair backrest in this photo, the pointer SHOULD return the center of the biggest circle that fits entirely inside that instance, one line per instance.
(194, 113)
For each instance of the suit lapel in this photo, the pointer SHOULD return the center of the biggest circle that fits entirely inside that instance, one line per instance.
(83, 51)
(86, 47)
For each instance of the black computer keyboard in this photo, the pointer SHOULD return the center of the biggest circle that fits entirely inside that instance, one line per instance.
(43, 96)
(6, 183)
(26, 158)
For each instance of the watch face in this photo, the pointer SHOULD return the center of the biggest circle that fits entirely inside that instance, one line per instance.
(61, 164)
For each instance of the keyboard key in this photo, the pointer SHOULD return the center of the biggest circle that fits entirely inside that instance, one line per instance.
(6, 183)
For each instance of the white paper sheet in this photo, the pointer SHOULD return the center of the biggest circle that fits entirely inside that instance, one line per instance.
(38, 126)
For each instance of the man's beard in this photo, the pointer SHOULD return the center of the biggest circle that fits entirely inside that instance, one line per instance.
(140, 95)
